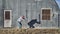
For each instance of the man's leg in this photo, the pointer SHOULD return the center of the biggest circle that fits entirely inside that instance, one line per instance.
(20, 25)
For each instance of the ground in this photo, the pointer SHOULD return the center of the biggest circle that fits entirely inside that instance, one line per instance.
(29, 31)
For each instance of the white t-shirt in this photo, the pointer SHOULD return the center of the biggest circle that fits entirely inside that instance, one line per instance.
(20, 19)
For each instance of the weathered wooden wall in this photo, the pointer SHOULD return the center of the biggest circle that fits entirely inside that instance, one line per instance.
(33, 8)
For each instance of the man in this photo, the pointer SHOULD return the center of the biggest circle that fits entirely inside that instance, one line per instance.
(20, 19)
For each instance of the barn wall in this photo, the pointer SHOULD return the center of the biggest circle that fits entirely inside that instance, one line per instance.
(1, 13)
(29, 8)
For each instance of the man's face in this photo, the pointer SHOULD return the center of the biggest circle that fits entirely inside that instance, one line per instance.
(23, 17)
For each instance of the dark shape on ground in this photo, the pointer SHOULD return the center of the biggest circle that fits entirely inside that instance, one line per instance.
(32, 22)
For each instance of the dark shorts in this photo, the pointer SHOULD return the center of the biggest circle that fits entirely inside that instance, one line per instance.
(20, 23)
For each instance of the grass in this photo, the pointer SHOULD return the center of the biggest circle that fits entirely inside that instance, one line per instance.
(30, 31)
